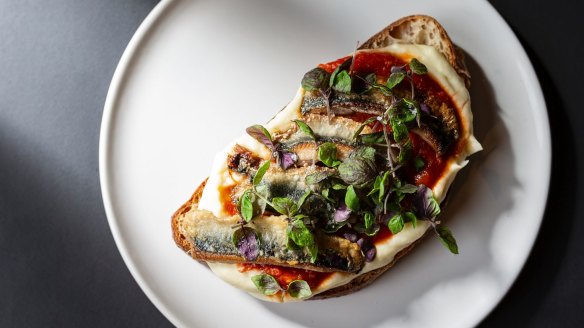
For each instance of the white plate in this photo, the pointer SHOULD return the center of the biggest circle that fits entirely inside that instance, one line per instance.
(198, 72)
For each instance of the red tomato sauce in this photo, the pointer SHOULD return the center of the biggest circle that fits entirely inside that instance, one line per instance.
(226, 198)
(383, 235)
(426, 87)
(434, 165)
(285, 275)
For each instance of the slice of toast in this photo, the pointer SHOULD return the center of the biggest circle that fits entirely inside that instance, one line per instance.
(415, 29)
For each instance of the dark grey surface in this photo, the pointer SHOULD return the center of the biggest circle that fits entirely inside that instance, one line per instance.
(59, 265)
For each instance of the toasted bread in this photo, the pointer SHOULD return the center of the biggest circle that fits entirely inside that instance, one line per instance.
(416, 29)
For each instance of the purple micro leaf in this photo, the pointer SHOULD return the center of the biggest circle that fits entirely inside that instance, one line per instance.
(370, 254)
(367, 248)
(286, 159)
(262, 135)
(397, 69)
(425, 108)
(342, 213)
(425, 204)
(350, 236)
(246, 241)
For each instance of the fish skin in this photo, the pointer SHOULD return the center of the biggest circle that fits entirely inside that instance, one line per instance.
(211, 239)
(342, 104)
(307, 151)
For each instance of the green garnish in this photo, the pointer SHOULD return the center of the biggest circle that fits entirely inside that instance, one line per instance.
(395, 79)
(417, 67)
(299, 289)
(266, 284)
(305, 128)
(327, 154)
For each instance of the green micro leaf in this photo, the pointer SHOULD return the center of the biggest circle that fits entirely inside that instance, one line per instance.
(419, 163)
(382, 186)
(366, 153)
(384, 89)
(395, 79)
(313, 250)
(318, 177)
(298, 233)
(368, 226)
(371, 138)
(299, 289)
(351, 199)
(326, 194)
(357, 171)
(327, 154)
(305, 128)
(410, 217)
(417, 67)
(260, 173)
(396, 223)
(371, 78)
(369, 219)
(447, 239)
(363, 125)
(406, 189)
(399, 130)
(284, 206)
(246, 205)
(414, 109)
(404, 110)
(315, 79)
(334, 75)
(405, 152)
(303, 199)
(266, 284)
(338, 186)
(342, 82)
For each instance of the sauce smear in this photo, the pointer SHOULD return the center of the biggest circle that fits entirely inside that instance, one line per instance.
(285, 275)
(225, 196)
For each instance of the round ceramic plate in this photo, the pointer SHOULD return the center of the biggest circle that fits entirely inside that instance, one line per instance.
(198, 72)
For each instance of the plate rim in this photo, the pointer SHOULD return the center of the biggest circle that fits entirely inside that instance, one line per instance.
(115, 91)
(112, 99)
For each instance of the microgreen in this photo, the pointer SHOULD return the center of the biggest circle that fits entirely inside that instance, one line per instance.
(315, 79)
(262, 135)
(351, 199)
(299, 289)
(305, 129)
(342, 82)
(266, 284)
(247, 242)
(417, 67)
(327, 154)
(419, 163)
(363, 125)
(447, 239)
(246, 205)
(260, 173)
(395, 79)
(298, 233)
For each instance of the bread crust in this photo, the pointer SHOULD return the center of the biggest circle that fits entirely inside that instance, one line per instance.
(421, 29)
(398, 31)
